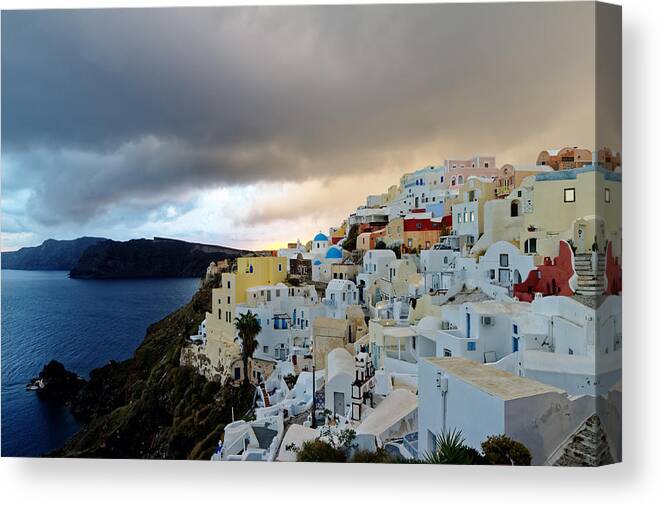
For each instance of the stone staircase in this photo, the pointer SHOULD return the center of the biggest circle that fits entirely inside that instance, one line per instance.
(588, 446)
(265, 394)
(590, 283)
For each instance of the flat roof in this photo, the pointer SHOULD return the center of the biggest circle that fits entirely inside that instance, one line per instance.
(491, 380)
(407, 331)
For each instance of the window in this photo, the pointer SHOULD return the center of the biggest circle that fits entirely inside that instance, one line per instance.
(228, 299)
(410, 242)
(445, 260)
(220, 314)
(228, 284)
(266, 349)
(465, 216)
(530, 246)
(446, 352)
(607, 195)
(504, 260)
(470, 346)
(472, 216)
(279, 267)
(471, 196)
(492, 273)
(459, 218)
(486, 165)
(570, 195)
(515, 329)
(237, 373)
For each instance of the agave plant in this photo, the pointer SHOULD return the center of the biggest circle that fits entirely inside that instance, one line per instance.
(450, 449)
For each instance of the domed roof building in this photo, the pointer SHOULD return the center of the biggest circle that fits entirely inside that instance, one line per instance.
(334, 253)
(320, 244)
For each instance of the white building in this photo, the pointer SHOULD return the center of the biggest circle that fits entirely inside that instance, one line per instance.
(257, 440)
(320, 244)
(438, 269)
(481, 401)
(340, 374)
(340, 294)
(569, 345)
(281, 311)
(376, 264)
(501, 267)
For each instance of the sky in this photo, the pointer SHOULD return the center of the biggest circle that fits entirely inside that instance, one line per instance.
(255, 126)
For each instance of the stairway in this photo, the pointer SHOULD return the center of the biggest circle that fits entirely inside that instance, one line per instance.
(590, 283)
(265, 395)
(588, 446)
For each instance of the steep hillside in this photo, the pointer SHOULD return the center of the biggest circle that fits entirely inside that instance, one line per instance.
(151, 407)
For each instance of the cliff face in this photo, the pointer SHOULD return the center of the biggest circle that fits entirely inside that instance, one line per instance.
(140, 258)
(151, 407)
(51, 255)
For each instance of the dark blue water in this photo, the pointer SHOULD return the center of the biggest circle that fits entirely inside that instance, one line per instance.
(81, 323)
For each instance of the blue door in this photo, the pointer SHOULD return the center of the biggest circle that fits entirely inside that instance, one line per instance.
(515, 344)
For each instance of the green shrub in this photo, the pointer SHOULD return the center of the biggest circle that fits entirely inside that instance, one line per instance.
(380, 456)
(502, 450)
(318, 450)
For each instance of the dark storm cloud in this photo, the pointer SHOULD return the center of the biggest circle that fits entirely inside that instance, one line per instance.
(116, 107)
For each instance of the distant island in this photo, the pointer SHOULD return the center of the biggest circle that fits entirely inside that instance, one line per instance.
(51, 255)
(100, 258)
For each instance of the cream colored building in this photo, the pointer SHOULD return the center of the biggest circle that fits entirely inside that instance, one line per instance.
(582, 206)
(221, 350)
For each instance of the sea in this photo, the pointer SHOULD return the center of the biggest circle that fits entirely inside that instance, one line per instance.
(81, 323)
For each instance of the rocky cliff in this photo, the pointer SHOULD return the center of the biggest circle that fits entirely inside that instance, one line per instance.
(151, 407)
(51, 255)
(147, 258)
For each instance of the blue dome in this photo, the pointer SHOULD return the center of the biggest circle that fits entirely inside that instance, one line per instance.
(320, 237)
(333, 252)
(316, 262)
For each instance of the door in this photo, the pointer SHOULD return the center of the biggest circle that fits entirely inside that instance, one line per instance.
(504, 277)
(468, 325)
(581, 239)
(515, 344)
(338, 403)
(435, 284)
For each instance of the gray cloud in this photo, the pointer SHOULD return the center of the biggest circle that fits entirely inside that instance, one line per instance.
(138, 108)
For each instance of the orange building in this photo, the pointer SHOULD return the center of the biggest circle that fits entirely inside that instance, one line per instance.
(565, 158)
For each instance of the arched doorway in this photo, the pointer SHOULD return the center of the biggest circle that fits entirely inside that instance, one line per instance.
(514, 208)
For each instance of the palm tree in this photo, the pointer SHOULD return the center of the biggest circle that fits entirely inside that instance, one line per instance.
(450, 449)
(249, 328)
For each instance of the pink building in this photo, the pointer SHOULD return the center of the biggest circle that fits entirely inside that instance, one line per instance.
(458, 171)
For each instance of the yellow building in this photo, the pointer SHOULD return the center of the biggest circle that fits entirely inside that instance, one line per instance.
(223, 353)
(250, 272)
(579, 205)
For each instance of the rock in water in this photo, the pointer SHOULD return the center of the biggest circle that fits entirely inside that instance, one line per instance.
(55, 383)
